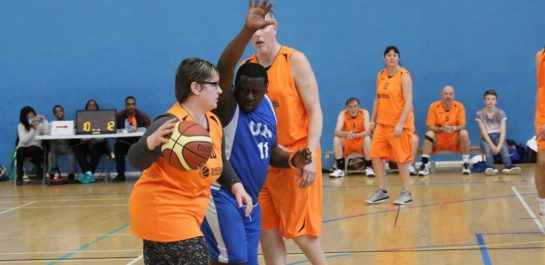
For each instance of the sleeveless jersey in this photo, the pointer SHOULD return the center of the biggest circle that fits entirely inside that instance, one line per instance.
(540, 108)
(438, 116)
(354, 124)
(283, 92)
(249, 139)
(168, 204)
(390, 100)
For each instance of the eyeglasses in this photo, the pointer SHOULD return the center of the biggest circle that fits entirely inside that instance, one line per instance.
(216, 84)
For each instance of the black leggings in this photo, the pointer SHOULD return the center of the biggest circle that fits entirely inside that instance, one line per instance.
(191, 251)
(35, 154)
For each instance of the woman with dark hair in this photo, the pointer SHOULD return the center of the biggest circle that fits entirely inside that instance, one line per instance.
(167, 205)
(30, 125)
(94, 148)
(393, 134)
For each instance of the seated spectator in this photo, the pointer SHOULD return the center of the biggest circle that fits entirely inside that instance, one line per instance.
(492, 122)
(352, 135)
(94, 148)
(30, 125)
(58, 147)
(446, 124)
(135, 120)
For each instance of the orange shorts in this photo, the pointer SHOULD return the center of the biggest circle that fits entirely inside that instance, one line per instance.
(292, 210)
(446, 142)
(352, 146)
(386, 146)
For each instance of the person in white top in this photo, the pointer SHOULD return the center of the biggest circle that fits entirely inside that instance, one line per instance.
(30, 125)
(493, 122)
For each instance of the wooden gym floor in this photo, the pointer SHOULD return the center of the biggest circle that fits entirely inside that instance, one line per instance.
(454, 219)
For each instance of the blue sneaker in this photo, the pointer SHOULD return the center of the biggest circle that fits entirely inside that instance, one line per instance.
(87, 178)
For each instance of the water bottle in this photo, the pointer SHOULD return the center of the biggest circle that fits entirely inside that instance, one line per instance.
(433, 166)
(126, 126)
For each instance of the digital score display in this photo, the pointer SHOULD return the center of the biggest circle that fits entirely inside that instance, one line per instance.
(96, 122)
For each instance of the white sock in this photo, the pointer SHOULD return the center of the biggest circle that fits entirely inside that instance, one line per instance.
(465, 158)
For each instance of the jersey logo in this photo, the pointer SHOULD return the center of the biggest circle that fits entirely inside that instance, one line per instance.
(259, 128)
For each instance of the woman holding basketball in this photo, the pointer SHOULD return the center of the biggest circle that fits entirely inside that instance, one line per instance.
(392, 137)
(167, 205)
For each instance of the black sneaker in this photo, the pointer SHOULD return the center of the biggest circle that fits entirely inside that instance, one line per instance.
(465, 169)
(119, 179)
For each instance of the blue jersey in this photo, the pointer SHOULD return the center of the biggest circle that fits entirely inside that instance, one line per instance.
(249, 140)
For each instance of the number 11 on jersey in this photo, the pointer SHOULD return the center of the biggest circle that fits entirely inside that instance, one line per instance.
(264, 149)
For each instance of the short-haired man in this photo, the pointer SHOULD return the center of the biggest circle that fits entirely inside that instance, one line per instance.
(352, 135)
(446, 124)
(136, 119)
(57, 147)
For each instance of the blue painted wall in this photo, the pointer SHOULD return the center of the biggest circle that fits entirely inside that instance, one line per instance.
(65, 52)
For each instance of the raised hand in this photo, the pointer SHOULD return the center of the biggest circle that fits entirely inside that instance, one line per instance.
(256, 14)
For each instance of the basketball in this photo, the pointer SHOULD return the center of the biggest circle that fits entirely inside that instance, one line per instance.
(189, 146)
(355, 163)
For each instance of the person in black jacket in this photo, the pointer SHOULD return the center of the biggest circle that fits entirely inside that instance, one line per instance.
(136, 119)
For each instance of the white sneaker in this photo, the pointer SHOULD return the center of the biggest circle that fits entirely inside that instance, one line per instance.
(337, 174)
(369, 172)
(378, 197)
(491, 171)
(404, 198)
(424, 170)
(465, 169)
(412, 170)
(511, 171)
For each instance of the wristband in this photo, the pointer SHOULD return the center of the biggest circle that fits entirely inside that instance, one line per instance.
(289, 160)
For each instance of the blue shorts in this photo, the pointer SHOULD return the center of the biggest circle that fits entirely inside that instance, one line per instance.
(231, 237)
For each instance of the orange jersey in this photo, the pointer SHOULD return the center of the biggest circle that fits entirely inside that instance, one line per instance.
(354, 124)
(390, 100)
(290, 112)
(438, 116)
(168, 204)
(540, 104)
(285, 206)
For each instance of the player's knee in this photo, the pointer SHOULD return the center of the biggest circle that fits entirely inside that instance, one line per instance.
(464, 133)
(430, 134)
(337, 141)
(305, 240)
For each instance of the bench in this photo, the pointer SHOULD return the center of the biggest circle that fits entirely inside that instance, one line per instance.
(475, 149)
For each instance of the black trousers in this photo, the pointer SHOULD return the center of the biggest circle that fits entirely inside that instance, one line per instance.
(36, 155)
(121, 148)
(94, 149)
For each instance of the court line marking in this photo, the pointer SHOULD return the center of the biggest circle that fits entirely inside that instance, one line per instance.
(418, 206)
(135, 260)
(15, 208)
(528, 209)
(62, 252)
(87, 245)
(78, 206)
(327, 257)
(484, 251)
(14, 195)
